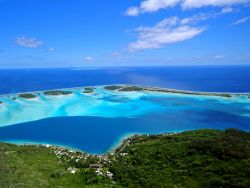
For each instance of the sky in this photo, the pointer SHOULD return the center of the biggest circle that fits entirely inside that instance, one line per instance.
(99, 33)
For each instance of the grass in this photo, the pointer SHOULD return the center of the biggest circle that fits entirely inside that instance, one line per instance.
(88, 90)
(29, 166)
(113, 87)
(131, 88)
(55, 93)
(27, 96)
(138, 88)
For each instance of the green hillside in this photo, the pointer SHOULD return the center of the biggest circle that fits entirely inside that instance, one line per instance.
(202, 158)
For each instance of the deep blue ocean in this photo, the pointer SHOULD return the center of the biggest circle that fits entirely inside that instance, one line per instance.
(98, 134)
(195, 78)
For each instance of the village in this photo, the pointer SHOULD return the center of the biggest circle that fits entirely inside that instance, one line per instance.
(80, 160)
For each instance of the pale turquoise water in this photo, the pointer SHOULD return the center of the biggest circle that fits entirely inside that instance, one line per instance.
(95, 122)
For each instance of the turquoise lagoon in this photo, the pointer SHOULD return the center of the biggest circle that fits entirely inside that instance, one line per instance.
(97, 121)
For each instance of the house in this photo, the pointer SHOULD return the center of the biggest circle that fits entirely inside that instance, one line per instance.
(109, 175)
(95, 166)
(72, 170)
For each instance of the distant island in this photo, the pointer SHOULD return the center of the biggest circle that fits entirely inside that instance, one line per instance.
(201, 158)
(127, 88)
(95, 109)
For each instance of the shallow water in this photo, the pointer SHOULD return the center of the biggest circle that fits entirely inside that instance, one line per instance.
(96, 122)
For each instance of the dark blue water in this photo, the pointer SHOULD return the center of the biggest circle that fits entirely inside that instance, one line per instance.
(195, 78)
(98, 135)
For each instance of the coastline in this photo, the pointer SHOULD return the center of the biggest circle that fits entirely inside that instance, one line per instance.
(114, 148)
(123, 138)
(32, 143)
(117, 147)
(174, 154)
(145, 88)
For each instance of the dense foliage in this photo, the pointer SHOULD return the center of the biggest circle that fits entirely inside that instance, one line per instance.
(30, 166)
(203, 158)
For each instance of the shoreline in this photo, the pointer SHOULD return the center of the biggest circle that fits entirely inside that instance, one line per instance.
(144, 88)
(132, 88)
(44, 144)
(114, 148)
(159, 154)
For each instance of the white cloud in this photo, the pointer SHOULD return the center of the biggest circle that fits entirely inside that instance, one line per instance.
(196, 18)
(151, 6)
(89, 58)
(170, 30)
(226, 10)
(28, 42)
(132, 11)
(240, 21)
(217, 3)
(155, 5)
(51, 50)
